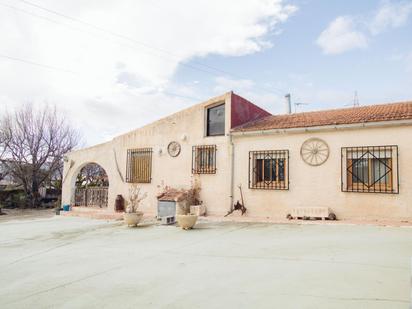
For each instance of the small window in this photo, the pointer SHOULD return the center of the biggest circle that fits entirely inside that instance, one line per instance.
(215, 120)
(139, 165)
(204, 159)
(268, 169)
(370, 169)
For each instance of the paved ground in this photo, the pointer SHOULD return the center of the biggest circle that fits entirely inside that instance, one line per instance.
(18, 214)
(80, 263)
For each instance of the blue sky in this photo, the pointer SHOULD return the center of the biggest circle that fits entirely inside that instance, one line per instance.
(111, 67)
(380, 72)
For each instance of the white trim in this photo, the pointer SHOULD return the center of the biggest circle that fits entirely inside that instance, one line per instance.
(391, 123)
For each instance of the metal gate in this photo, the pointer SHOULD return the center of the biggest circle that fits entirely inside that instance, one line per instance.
(91, 197)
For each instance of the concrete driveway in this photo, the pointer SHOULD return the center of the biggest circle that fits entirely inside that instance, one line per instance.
(80, 263)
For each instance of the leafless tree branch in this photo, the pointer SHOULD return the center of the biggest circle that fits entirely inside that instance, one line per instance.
(33, 143)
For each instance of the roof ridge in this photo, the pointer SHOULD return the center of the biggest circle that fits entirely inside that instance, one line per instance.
(346, 108)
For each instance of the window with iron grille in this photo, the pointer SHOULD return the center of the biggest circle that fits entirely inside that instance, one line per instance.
(269, 169)
(370, 169)
(139, 165)
(204, 159)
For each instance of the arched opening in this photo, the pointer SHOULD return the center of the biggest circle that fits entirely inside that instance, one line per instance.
(91, 187)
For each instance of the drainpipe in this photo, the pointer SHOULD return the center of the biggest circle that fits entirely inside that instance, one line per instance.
(232, 170)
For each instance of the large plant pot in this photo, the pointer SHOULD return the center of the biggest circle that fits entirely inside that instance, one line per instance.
(133, 218)
(186, 222)
(198, 210)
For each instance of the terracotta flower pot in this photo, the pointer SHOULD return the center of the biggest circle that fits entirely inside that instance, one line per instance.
(186, 222)
(132, 218)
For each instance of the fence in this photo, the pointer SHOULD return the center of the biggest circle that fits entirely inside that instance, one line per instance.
(91, 197)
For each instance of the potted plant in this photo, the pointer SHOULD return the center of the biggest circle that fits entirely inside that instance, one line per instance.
(132, 216)
(188, 220)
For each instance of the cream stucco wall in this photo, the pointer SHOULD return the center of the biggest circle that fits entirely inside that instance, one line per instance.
(309, 185)
(321, 185)
(166, 170)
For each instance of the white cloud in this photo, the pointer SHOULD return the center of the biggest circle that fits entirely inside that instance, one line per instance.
(262, 96)
(119, 84)
(390, 15)
(341, 36)
(348, 32)
(225, 84)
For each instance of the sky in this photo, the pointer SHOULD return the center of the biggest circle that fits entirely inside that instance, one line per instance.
(112, 66)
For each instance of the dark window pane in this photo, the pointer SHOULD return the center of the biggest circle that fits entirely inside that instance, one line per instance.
(259, 170)
(281, 163)
(273, 170)
(380, 171)
(216, 120)
(268, 170)
(360, 171)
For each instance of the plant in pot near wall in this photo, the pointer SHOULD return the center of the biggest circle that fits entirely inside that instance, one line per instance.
(132, 215)
(188, 220)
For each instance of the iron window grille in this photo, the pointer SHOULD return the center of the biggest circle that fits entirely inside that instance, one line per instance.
(204, 159)
(139, 165)
(370, 169)
(269, 169)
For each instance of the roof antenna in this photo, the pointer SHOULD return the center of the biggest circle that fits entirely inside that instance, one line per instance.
(299, 104)
(355, 99)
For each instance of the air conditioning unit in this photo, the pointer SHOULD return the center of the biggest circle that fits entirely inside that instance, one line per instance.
(166, 209)
(168, 220)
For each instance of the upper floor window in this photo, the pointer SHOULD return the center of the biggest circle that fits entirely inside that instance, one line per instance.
(215, 120)
(370, 169)
(268, 169)
(139, 165)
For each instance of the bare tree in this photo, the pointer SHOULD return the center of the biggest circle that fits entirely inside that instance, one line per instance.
(34, 144)
(3, 170)
(92, 175)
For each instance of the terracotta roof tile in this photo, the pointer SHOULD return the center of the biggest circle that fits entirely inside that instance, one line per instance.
(172, 195)
(371, 113)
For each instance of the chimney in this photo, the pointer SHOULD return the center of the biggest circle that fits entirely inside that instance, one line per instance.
(288, 105)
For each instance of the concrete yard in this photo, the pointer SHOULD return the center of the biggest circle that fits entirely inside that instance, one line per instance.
(68, 262)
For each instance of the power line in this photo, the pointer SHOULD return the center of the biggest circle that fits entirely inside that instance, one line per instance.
(46, 66)
(143, 44)
(49, 67)
(93, 34)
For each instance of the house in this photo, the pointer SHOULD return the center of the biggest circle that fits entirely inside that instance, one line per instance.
(352, 160)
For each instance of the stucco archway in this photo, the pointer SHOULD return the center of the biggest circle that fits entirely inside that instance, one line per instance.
(90, 186)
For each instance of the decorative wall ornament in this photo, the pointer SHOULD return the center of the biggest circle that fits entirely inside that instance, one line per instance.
(314, 151)
(173, 149)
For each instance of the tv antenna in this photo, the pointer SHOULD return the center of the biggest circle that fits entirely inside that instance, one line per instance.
(297, 104)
